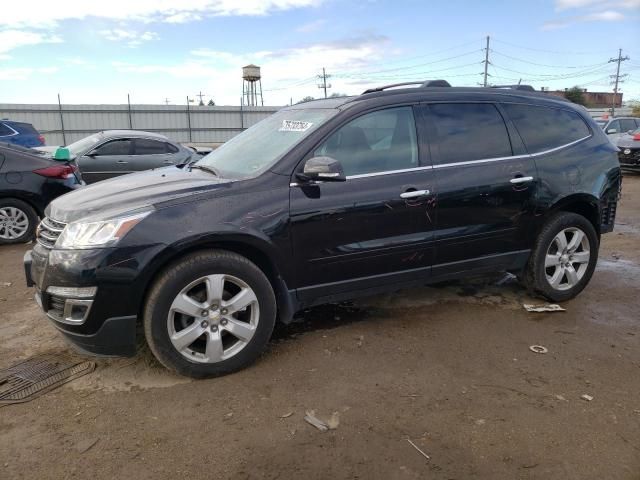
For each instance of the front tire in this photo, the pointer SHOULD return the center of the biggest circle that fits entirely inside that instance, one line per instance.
(564, 257)
(209, 314)
(18, 221)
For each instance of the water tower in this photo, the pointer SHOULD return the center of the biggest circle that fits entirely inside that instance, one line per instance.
(251, 85)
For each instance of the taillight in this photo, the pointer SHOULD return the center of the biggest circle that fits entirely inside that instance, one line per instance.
(636, 137)
(41, 138)
(57, 171)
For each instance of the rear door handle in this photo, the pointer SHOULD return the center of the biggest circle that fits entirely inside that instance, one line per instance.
(414, 194)
(521, 180)
(122, 161)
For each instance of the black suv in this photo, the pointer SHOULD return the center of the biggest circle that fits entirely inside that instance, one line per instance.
(325, 201)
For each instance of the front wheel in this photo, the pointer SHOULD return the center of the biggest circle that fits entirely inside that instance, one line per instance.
(563, 258)
(209, 314)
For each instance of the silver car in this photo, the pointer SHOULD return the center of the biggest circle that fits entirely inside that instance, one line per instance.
(112, 153)
(618, 126)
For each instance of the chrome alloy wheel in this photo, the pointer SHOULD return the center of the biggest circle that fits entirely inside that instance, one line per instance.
(213, 318)
(567, 258)
(14, 223)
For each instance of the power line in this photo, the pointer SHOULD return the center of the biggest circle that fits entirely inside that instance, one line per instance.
(544, 64)
(556, 52)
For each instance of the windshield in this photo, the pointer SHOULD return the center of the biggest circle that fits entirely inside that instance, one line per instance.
(257, 149)
(79, 147)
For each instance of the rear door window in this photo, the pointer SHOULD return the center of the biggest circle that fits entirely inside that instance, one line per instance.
(469, 131)
(146, 146)
(545, 128)
(115, 147)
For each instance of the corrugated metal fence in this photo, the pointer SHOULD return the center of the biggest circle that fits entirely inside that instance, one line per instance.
(65, 124)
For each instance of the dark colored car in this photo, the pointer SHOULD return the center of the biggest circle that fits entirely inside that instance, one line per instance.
(325, 201)
(28, 182)
(629, 151)
(20, 133)
(112, 153)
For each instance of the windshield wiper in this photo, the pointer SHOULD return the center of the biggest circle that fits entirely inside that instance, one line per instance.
(211, 170)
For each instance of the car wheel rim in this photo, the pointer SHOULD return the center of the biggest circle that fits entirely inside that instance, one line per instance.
(567, 259)
(14, 223)
(213, 318)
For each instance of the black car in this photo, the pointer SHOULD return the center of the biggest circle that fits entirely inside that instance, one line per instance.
(629, 151)
(28, 182)
(325, 201)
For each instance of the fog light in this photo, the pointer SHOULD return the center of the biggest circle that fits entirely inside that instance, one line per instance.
(73, 292)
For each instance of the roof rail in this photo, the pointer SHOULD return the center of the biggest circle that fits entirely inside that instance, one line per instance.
(526, 88)
(423, 84)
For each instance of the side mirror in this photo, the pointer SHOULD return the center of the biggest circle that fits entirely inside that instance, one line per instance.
(322, 169)
(612, 130)
(62, 154)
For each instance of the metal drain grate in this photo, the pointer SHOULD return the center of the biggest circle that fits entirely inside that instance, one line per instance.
(31, 378)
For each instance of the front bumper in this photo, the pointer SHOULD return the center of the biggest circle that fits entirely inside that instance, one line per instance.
(103, 324)
(629, 158)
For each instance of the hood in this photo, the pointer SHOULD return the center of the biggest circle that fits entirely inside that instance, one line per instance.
(627, 141)
(131, 192)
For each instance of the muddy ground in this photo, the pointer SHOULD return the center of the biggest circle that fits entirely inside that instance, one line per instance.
(448, 367)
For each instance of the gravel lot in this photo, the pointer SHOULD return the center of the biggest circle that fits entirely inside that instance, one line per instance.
(447, 367)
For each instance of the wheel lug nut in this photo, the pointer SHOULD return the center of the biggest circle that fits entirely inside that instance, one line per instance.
(224, 311)
(205, 313)
(214, 328)
(204, 324)
(214, 306)
(223, 321)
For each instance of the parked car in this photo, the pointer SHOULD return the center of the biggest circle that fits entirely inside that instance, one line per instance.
(28, 182)
(629, 151)
(20, 133)
(619, 126)
(324, 201)
(112, 153)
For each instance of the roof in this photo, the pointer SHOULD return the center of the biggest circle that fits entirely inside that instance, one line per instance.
(132, 133)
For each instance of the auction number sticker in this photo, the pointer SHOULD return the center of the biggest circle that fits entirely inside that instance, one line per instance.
(295, 126)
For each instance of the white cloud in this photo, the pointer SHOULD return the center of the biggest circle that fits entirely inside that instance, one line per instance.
(596, 4)
(606, 16)
(47, 13)
(131, 38)
(12, 39)
(25, 72)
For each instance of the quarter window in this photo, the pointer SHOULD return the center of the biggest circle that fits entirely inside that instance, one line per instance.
(544, 128)
(115, 147)
(171, 148)
(380, 141)
(469, 131)
(145, 146)
(5, 131)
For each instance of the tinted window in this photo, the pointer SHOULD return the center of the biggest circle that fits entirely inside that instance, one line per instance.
(25, 128)
(376, 142)
(470, 132)
(626, 125)
(144, 146)
(171, 148)
(544, 128)
(615, 125)
(4, 130)
(115, 147)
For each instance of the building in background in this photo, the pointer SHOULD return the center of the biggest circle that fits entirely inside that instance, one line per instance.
(592, 99)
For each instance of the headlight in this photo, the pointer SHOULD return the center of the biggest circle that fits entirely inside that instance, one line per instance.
(98, 234)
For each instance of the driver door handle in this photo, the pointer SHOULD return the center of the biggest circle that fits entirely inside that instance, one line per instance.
(414, 194)
(521, 180)
(122, 161)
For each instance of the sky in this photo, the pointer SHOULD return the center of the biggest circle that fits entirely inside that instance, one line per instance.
(165, 51)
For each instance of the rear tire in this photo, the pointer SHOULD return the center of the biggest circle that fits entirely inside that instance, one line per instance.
(563, 258)
(209, 314)
(18, 221)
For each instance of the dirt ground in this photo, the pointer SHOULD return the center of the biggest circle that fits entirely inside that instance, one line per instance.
(447, 367)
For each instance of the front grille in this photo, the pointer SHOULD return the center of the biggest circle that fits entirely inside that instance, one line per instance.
(632, 158)
(48, 232)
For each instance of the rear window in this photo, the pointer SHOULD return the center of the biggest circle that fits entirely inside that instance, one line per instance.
(470, 132)
(4, 130)
(544, 128)
(25, 128)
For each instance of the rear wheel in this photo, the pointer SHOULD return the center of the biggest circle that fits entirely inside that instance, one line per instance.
(18, 221)
(564, 257)
(209, 314)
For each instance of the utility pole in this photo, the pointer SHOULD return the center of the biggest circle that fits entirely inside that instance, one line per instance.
(166, 101)
(324, 85)
(200, 95)
(486, 63)
(617, 78)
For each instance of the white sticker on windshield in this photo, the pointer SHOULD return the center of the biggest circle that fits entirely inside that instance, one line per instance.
(295, 126)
